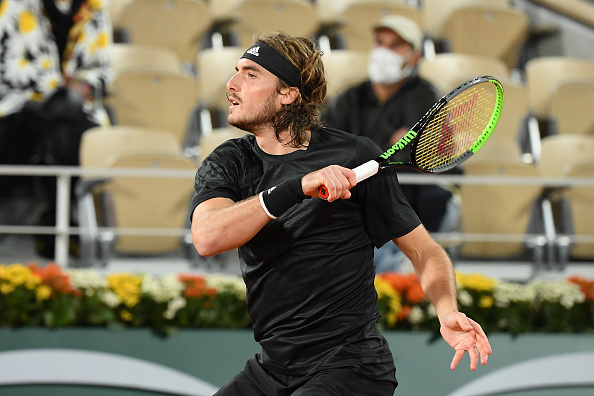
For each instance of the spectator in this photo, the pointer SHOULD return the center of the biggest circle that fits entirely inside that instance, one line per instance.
(54, 65)
(385, 107)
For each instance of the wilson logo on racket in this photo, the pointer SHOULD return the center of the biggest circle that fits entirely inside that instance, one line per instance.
(399, 145)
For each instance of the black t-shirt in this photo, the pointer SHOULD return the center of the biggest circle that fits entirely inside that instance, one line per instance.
(310, 273)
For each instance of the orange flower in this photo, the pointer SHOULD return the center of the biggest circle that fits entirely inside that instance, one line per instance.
(404, 312)
(586, 286)
(196, 286)
(52, 276)
(407, 285)
(415, 294)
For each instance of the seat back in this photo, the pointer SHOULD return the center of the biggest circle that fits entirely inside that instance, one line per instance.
(498, 149)
(215, 68)
(497, 209)
(255, 17)
(470, 30)
(179, 25)
(358, 18)
(99, 144)
(562, 152)
(127, 57)
(344, 68)
(150, 202)
(571, 107)
(448, 70)
(544, 76)
(581, 202)
(329, 11)
(436, 12)
(160, 100)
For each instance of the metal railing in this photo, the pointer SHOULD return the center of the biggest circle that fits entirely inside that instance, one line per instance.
(62, 230)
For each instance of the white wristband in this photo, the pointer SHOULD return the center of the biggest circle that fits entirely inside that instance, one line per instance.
(264, 206)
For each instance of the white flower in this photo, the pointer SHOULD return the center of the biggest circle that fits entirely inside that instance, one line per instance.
(566, 293)
(161, 289)
(109, 298)
(465, 298)
(227, 283)
(504, 293)
(416, 315)
(88, 280)
(173, 306)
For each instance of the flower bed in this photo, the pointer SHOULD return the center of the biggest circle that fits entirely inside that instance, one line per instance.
(50, 296)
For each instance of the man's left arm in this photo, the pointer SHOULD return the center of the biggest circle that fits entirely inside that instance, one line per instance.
(435, 272)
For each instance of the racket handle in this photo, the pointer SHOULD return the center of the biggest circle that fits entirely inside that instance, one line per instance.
(362, 172)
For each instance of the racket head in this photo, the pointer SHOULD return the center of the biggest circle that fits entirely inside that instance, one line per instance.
(457, 126)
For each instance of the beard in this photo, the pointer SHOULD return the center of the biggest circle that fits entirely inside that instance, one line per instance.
(257, 120)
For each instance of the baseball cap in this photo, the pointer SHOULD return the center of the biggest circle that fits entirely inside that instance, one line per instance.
(406, 28)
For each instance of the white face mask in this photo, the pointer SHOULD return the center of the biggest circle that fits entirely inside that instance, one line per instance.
(385, 66)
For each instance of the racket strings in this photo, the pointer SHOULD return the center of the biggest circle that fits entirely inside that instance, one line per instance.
(456, 127)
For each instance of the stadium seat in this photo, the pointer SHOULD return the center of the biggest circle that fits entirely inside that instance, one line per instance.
(570, 109)
(254, 17)
(561, 152)
(215, 68)
(180, 25)
(161, 100)
(576, 217)
(448, 70)
(98, 147)
(501, 211)
(487, 30)
(544, 76)
(127, 57)
(149, 202)
(436, 12)
(344, 68)
(566, 156)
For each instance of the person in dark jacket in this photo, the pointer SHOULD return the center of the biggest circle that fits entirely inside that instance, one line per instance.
(384, 107)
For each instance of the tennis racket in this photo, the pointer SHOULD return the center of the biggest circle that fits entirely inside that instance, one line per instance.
(453, 129)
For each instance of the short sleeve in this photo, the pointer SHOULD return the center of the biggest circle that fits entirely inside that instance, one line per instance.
(218, 175)
(388, 214)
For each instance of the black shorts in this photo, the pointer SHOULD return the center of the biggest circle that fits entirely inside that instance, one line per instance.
(254, 380)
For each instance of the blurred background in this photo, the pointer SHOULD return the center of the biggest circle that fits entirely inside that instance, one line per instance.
(524, 204)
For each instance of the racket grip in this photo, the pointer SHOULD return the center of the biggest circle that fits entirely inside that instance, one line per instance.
(362, 172)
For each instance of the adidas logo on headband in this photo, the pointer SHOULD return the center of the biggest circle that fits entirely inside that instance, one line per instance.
(254, 51)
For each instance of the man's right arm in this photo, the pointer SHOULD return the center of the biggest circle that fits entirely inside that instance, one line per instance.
(219, 224)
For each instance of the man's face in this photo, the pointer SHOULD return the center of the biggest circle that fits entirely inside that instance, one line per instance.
(253, 96)
(392, 41)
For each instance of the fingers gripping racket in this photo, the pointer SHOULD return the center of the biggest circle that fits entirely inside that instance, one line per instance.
(449, 133)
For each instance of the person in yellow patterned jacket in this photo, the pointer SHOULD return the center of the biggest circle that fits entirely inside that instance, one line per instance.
(51, 43)
(54, 67)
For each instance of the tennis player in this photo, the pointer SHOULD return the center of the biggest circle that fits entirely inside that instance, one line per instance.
(308, 263)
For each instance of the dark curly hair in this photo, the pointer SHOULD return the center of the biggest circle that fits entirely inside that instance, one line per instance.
(304, 112)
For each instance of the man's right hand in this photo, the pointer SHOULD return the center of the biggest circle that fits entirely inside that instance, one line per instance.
(337, 179)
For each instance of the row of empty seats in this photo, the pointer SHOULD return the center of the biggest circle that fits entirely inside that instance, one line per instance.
(463, 26)
(549, 215)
